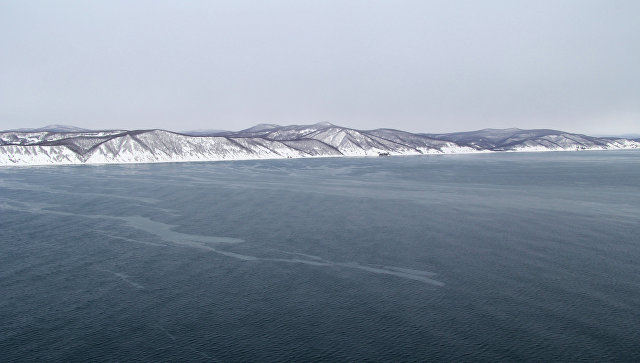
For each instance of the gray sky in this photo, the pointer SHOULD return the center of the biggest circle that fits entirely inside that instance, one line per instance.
(427, 66)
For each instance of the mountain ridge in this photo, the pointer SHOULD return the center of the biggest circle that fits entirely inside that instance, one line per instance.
(74, 145)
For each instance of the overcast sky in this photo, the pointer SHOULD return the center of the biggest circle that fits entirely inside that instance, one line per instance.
(428, 66)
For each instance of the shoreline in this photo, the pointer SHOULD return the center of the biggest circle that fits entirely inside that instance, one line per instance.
(479, 152)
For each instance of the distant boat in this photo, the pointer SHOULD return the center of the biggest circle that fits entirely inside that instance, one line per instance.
(383, 154)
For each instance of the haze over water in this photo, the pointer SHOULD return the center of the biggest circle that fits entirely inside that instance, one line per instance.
(506, 256)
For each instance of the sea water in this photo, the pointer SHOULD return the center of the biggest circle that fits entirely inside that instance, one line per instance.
(506, 256)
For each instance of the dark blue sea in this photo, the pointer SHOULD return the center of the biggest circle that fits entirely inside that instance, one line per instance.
(492, 257)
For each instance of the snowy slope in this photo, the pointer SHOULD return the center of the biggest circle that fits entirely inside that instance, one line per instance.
(74, 146)
(533, 140)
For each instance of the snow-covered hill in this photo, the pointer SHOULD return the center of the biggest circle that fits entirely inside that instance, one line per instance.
(77, 146)
(533, 140)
